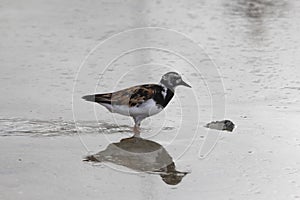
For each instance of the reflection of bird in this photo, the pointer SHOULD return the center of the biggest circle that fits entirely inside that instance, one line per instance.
(141, 155)
(140, 101)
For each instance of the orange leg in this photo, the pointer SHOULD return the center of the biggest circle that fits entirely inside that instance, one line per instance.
(136, 130)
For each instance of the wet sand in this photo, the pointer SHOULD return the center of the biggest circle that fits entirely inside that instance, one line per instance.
(258, 160)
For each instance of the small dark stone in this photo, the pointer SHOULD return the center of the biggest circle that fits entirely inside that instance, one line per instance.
(224, 125)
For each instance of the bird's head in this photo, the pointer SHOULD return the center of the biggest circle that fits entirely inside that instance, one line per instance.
(172, 80)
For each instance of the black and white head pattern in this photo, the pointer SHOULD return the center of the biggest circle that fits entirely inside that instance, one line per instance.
(172, 79)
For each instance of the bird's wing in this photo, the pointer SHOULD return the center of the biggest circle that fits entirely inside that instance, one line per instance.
(130, 96)
(134, 95)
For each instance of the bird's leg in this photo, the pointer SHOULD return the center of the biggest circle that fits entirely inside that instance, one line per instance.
(136, 128)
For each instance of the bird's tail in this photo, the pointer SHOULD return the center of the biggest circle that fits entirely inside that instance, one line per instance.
(98, 98)
(89, 98)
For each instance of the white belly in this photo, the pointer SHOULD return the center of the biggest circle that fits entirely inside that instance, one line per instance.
(146, 109)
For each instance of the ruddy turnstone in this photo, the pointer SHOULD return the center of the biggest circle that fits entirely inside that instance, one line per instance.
(140, 101)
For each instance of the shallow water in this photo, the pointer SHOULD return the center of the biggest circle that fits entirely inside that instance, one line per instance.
(25, 127)
(46, 128)
(29, 127)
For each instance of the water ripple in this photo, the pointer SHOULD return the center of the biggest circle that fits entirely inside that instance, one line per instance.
(22, 127)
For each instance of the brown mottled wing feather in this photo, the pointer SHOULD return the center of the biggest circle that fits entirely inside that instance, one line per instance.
(131, 96)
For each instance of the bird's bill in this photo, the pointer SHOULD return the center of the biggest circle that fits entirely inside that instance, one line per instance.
(185, 84)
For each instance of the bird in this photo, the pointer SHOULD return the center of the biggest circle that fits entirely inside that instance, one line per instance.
(141, 101)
